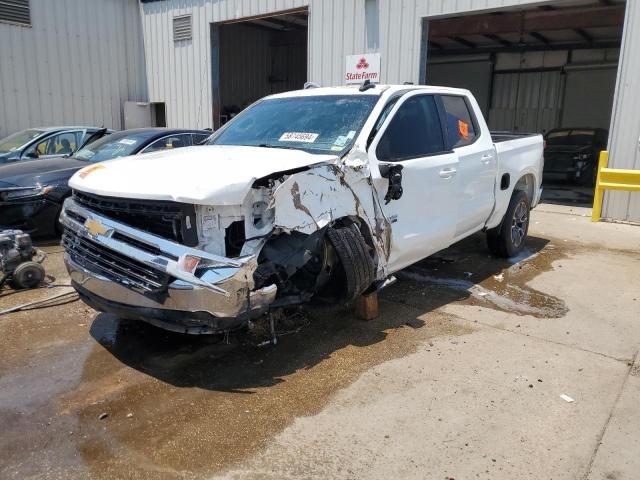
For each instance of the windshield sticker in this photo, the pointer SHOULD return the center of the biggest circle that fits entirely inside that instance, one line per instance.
(127, 141)
(341, 141)
(463, 129)
(336, 148)
(298, 137)
(351, 134)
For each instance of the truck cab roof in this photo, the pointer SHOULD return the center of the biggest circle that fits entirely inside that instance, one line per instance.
(376, 90)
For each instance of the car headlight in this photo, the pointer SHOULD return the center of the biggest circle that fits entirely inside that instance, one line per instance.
(24, 192)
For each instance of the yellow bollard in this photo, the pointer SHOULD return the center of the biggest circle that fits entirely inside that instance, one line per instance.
(599, 192)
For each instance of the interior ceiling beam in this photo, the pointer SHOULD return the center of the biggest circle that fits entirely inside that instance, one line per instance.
(529, 21)
(464, 42)
(525, 48)
(498, 39)
(541, 38)
(584, 35)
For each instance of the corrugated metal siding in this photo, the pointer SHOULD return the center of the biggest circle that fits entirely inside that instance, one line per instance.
(336, 29)
(180, 74)
(71, 66)
(624, 142)
(525, 102)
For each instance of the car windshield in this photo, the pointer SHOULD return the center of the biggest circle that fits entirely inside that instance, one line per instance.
(18, 140)
(571, 137)
(316, 124)
(116, 145)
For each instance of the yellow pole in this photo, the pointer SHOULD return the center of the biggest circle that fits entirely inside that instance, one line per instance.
(597, 196)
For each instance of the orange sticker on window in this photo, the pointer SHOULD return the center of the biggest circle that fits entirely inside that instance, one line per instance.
(463, 129)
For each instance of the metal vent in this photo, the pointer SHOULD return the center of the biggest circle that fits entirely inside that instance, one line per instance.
(181, 28)
(15, 11)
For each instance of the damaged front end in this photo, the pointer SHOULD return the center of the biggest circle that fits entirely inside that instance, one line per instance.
(210, 268)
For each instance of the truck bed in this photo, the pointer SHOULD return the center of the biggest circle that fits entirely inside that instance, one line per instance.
(499, 137)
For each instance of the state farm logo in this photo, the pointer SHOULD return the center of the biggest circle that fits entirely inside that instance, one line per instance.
(360, 67)
(362, 64)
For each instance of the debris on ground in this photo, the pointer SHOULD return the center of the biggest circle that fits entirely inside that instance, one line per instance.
(567, 398)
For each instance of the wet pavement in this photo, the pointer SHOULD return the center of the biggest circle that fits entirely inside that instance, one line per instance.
(85, 395)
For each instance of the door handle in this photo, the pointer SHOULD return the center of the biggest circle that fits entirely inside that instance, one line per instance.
(447, 172)
(486, 158)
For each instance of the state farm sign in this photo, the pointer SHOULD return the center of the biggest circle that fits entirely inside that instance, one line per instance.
(363, 67)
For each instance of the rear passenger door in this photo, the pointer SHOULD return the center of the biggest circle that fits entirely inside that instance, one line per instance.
(423, 219)
(469, 137)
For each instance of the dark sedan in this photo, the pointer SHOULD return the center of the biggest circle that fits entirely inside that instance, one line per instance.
(45, 143)
(32, 192)
(572, 154)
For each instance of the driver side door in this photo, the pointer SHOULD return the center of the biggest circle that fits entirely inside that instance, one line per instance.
(423, 219)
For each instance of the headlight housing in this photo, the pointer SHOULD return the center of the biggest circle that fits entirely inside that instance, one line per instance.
(14, 193)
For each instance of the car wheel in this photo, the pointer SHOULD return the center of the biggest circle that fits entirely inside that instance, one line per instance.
(508, 238)
(357, 268)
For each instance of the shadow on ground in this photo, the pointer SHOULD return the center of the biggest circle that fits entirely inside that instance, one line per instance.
(227, 364)
(153, 403)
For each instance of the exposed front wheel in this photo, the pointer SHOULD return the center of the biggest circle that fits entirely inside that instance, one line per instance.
(357, 268)
(508, 239)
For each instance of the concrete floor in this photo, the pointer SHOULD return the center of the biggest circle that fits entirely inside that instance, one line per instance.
(460, 377)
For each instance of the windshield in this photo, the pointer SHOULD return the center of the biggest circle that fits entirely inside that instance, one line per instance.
(571, 137)
(316, 124)
(112, 146)
(18, 140)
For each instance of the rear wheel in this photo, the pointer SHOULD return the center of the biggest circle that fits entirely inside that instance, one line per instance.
(508, 238)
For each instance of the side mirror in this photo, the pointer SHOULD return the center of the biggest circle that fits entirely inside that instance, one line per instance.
(14, 157)
(392, 172)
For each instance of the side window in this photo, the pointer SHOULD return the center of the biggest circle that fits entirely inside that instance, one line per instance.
(383, 116)
(173, 141)
(460, 121)
(198, 138)
(60, 144)
(413, 132)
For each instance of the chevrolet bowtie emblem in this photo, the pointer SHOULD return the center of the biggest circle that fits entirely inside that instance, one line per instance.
(94, 227)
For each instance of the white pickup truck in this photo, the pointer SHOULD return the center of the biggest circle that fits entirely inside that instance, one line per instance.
(318, 193)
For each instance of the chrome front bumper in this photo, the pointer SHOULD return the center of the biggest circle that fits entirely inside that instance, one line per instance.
(219, 296)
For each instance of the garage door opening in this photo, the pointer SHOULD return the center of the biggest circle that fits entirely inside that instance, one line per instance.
(550, 70)
(255, 57)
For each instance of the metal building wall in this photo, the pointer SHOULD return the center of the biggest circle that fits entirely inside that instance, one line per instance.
(624, 142)
(76, 64)
(179, 73)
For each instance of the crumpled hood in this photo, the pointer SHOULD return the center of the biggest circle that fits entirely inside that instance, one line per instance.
(203, 175)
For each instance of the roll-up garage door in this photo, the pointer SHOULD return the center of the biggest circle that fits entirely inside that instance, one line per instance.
(588, 97)
(525, 101)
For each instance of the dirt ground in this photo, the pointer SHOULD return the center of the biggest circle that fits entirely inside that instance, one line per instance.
(460, 376)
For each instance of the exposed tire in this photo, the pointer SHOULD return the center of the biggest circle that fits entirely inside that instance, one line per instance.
(508, 238)
(28, 275)
(356, 263)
